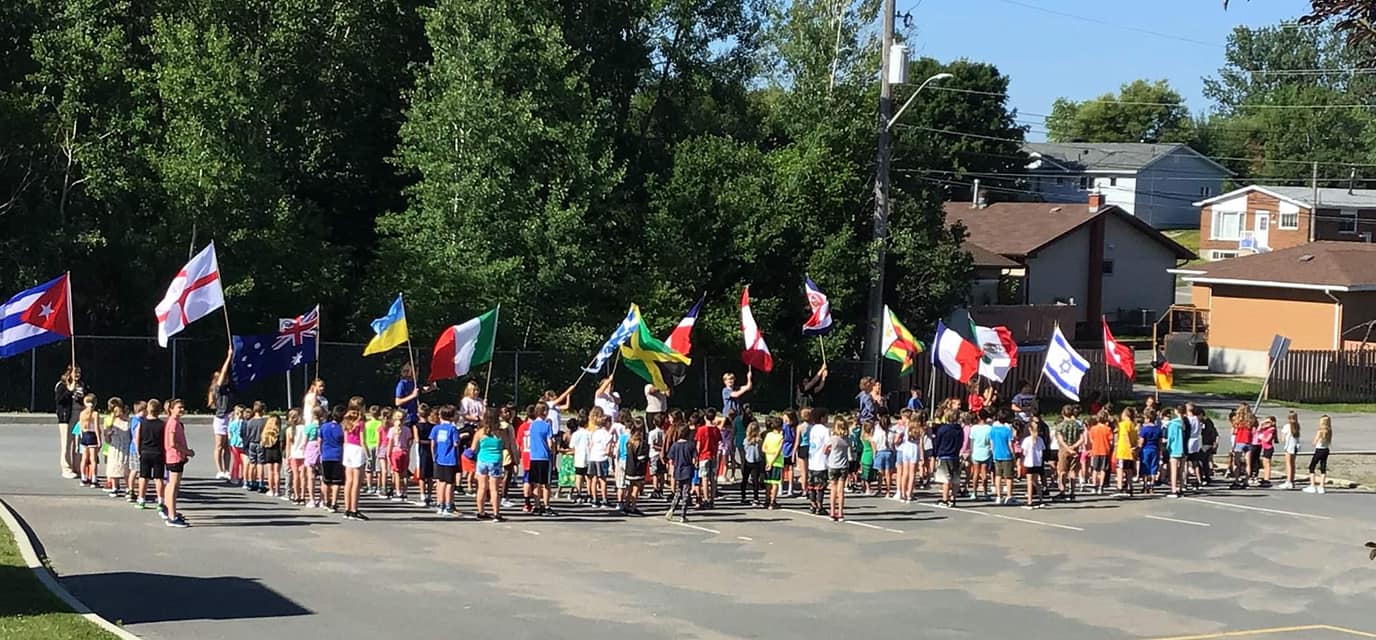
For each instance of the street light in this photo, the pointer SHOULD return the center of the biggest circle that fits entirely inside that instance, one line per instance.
(881, 194)
(936, 78)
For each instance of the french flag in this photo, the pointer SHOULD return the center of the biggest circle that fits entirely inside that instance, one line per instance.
(36, 317)
(681, 339)
(820, 322)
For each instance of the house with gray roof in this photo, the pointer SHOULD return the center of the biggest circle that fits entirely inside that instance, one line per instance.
(1262, 218)
(1157, 183)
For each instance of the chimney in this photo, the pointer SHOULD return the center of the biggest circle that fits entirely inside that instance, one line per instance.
(974, 195)
(1096, 201)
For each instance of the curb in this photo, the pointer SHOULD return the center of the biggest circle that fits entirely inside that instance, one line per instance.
(24, 539)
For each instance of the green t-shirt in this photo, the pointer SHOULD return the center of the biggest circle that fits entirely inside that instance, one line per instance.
(371, 431)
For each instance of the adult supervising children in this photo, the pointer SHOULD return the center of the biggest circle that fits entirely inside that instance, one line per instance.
(220, 399)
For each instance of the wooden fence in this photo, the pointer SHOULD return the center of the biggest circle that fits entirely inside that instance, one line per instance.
(1325, 376)
(1117, 385)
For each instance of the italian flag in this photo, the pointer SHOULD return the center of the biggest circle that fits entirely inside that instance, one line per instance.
(959, 357)
(462, 346)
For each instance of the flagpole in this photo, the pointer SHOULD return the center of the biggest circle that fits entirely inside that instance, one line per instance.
(319, 335)
(71, 326)
(823, 342)
(487, 386)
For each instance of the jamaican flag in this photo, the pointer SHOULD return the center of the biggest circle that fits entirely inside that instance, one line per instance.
(653, 360)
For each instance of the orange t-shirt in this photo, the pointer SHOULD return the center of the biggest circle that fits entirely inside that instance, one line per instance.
(1100, 440)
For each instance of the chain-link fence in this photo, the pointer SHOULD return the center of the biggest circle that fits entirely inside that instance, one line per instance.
(136, 367)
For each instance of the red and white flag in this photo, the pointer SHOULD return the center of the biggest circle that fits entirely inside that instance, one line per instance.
(756, 354)
(1117, 355)
(193, 294)
(681, 339)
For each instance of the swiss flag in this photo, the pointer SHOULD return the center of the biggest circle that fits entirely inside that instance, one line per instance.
(49, 311)
(1116, 355)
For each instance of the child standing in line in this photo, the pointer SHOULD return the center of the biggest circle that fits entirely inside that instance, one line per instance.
(237, 451)
(908, 459)
(312, 459)
(399, 454)
(117, 445)
(600, 445)
(683, 456)
(1292, 448)
(177, 454)
(444, 440)
(1323, 439)
(1032, 447)
(1150, 438)
(1266, 439)
(637, 464)
(133, 449)
(89, 440)
(772, 446)
(355, 459)
(865, 441)
(580, 442)
(271, 442)
(1125, 450)
(295, 439)
(372, 428)
(753, 461)
(837, 450)
(384, 454)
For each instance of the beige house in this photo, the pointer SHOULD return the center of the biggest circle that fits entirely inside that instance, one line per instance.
(1097, 257)
(1312, 294)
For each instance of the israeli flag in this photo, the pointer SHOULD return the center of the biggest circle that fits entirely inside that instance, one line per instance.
(622, 333)
(1064, 368)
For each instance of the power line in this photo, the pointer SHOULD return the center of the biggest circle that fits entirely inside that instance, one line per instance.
(1033, 174)
(1076, 16)
(1165, 104)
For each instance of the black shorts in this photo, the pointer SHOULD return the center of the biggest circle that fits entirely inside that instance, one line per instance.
(446, 473)
(152, 466)
(1033, 471)
(426, 462)
(178, 467)
(788, 462)
(332, 472)
(1098, 463)
(538, 474)
(580, 471)
(1127, 466)
(272, 456)
(816, 479)
(89, 439)
(1267, 453)
(803, 453)
(255, 453)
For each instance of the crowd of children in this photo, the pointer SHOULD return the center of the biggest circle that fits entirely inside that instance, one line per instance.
(976, 448)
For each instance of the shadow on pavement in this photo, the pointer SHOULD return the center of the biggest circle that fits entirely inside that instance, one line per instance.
(136, 598)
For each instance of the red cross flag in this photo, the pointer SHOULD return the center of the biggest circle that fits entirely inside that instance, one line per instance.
(193, 294)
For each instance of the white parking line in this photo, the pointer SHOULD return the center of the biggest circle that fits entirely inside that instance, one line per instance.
(1260, 509)
(533, 533)
(981, 512)
(1192, 522)
(745, 538)
(693, 526)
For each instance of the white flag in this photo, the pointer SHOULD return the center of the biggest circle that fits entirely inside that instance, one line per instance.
(1064, 367)
(193, 294)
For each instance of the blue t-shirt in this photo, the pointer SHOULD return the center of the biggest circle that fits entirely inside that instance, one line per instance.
(980, 442)
(412, 407)
(539, 435)
(866, 406)
(444, 438)
(1175, 438)
(1150, 436)
(134, 435)
(729, 405)
(331, 442)
(790, 432)
(914, 404)
(235, 432)
(1001, 441)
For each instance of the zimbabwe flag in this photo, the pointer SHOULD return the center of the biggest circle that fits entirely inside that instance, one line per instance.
(653, 360)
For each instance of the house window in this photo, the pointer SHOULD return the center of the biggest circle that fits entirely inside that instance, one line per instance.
(1222, 255)
(1084, 183)
(1112, 182)
(1108, 267)
(1289, 220)
(1206, 191)
(1227, 225)
(1347, 221)
(1060, 180)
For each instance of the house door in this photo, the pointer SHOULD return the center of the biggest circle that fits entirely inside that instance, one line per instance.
(1263, 229)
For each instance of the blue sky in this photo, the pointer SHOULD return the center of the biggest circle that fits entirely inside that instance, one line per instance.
(1047, 56)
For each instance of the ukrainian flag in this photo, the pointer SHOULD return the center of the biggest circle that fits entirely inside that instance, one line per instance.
(390, 329)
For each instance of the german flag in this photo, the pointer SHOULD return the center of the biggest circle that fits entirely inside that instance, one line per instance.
(1163, 374)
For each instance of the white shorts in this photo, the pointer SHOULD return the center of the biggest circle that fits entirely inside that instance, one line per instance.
(907, 453)
(355, 456)
(221, 426)
(1292, 448)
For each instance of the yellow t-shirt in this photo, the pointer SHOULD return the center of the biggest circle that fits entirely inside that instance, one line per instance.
(773, 448)
(1127, 441)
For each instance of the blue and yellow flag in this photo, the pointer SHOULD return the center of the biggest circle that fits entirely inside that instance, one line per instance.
(390, 329)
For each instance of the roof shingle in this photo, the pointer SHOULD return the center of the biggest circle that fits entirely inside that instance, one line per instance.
(1017, 229)
(1326, 263)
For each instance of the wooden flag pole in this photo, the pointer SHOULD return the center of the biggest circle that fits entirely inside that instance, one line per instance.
(931, 392)
(319, 335)
(487, 386)
(71, 326)
(821, 341)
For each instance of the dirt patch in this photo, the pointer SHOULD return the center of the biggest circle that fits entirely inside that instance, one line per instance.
(1359, 469)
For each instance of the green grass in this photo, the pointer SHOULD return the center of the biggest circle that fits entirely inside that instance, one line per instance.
(28, 610)
(1188, 238)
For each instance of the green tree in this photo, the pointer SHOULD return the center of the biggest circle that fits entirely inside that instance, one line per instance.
(1141, 111)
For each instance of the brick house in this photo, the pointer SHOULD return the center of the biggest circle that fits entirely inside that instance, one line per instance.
(1267, 218)
(1311, 293)
(1097, 256)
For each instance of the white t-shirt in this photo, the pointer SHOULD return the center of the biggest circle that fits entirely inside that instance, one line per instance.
(618, 432)
(579, 443)
(656, 440)
(1195, 444)
(1032, 451)
(471, 407)
(606, 403)
(597, 452)
(816, 442)
(880, 440)
(655, 400)
(553, 417)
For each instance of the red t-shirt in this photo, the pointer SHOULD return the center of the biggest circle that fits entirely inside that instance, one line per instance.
(976, 402)
(708, 439)
(522, 431)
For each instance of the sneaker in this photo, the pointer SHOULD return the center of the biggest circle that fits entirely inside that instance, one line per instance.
(398, 498)
(1311, 489)
(1173, 495)
(1029, 507)
(668, 515)
(130, 498)
(285, 498)
(349, 515)
(162, 512)
(1322, 489)
(178, 522)
(484, 516)
(142, 504)
(507, 504)
(496, 519)
(358, 515)
(69, 475)
(549, 513)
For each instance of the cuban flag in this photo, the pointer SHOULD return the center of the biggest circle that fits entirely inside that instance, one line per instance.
(1064, 367)
(820, 321)
(261, 356)
(36, 317)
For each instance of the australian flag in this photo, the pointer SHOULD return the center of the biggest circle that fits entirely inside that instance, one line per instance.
(258, 357)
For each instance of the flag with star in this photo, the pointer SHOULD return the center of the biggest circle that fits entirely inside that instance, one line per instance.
(260, 356)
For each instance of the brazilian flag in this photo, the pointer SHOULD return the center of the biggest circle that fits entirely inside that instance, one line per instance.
(653, 360)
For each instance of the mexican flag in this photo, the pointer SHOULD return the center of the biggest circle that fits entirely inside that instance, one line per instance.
(653, 360)
(462, 346)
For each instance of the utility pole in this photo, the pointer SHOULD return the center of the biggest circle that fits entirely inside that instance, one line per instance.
(881, 196)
